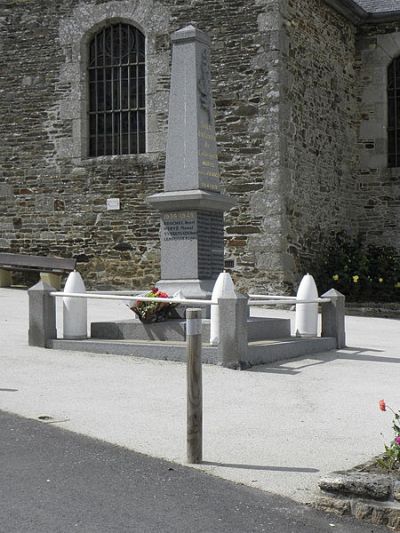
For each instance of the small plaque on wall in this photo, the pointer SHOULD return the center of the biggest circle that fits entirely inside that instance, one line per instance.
(113, 204)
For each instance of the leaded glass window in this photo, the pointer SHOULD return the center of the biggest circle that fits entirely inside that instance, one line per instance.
(117, 91)
(393, 129)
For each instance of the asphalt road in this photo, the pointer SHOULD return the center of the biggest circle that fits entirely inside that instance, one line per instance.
(55, 481)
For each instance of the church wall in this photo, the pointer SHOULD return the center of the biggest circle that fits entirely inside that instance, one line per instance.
(53, 197)
(377, 185)
(318, 117)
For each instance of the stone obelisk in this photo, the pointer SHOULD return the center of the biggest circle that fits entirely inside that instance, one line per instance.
(191, 206)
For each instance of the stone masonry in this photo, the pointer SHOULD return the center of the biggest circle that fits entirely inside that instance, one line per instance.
(318, 114)
(53, 197)
(299, 128)
(377, 186)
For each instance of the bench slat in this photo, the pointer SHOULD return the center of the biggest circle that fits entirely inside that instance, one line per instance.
(36, 262)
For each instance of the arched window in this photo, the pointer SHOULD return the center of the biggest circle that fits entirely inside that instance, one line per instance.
(117, 91)
(393, 129)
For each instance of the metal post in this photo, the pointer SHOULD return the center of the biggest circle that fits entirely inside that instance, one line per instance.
(194, 387)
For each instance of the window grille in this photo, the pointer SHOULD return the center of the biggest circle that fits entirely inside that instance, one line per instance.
(393, 129)
(117, 91)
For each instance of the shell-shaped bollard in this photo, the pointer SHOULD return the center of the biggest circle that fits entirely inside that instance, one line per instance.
(306, 324)
(223, 288)
(74, 309)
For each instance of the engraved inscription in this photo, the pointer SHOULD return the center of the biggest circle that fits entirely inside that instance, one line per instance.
(210, 244)
(204, 85)
(178, 226)
(208, 159)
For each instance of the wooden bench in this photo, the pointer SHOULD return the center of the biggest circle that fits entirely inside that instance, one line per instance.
(50, 268)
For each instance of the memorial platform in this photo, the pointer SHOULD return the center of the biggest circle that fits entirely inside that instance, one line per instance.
(258, 328)
(259, 352)
(269, 341)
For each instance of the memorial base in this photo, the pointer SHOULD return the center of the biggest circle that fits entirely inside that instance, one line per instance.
(197, 289)
(190, 288)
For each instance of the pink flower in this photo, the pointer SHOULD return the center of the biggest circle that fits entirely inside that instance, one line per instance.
(382, 405)
(397, 440)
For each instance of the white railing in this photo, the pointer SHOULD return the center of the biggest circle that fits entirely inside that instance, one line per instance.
(265, 299)
(107, 296)
(254, 299)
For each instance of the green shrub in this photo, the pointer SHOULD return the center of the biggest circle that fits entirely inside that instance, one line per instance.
(361, 272)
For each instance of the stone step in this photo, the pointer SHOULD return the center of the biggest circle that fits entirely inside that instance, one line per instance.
(263, 352)
(259, 328)
(259, 352)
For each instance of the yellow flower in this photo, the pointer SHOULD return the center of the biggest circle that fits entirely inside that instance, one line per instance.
(335, 277)
(397, 285)
(380, 280)
(356, 278)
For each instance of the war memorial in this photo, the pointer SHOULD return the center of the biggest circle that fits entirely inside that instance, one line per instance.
(192, 249)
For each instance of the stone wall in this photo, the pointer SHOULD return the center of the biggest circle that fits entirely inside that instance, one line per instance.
(53, 198)
(377, 186)
(300, 120)
(318, 116)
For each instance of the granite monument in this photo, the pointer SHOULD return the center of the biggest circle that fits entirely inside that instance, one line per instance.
(192, 204)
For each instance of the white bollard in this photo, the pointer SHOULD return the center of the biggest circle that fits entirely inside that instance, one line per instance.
(306, 324)
(74, 309)
(223, 288)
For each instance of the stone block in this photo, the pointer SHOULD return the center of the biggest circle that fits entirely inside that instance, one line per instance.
(361, 510)
(360, 484)
(334, 505)
(233, 339)
(396, 490)
(376, 57)
(371, 128)
(393, 519)
(372, 160)
(42, 315)
(373, 93)
(333, 321)
(6, 190)
(396, 38)
(378, 515)
(389, 45)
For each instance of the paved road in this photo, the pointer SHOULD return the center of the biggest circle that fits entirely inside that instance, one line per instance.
(55, 481)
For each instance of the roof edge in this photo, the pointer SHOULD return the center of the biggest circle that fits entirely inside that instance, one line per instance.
(386, 16)
(357, 15)
(349, 9)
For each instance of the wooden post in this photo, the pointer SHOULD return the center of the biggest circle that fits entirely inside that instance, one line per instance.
(194, 387)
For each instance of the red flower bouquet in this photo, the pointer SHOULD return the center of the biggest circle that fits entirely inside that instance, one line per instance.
(150, 312)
